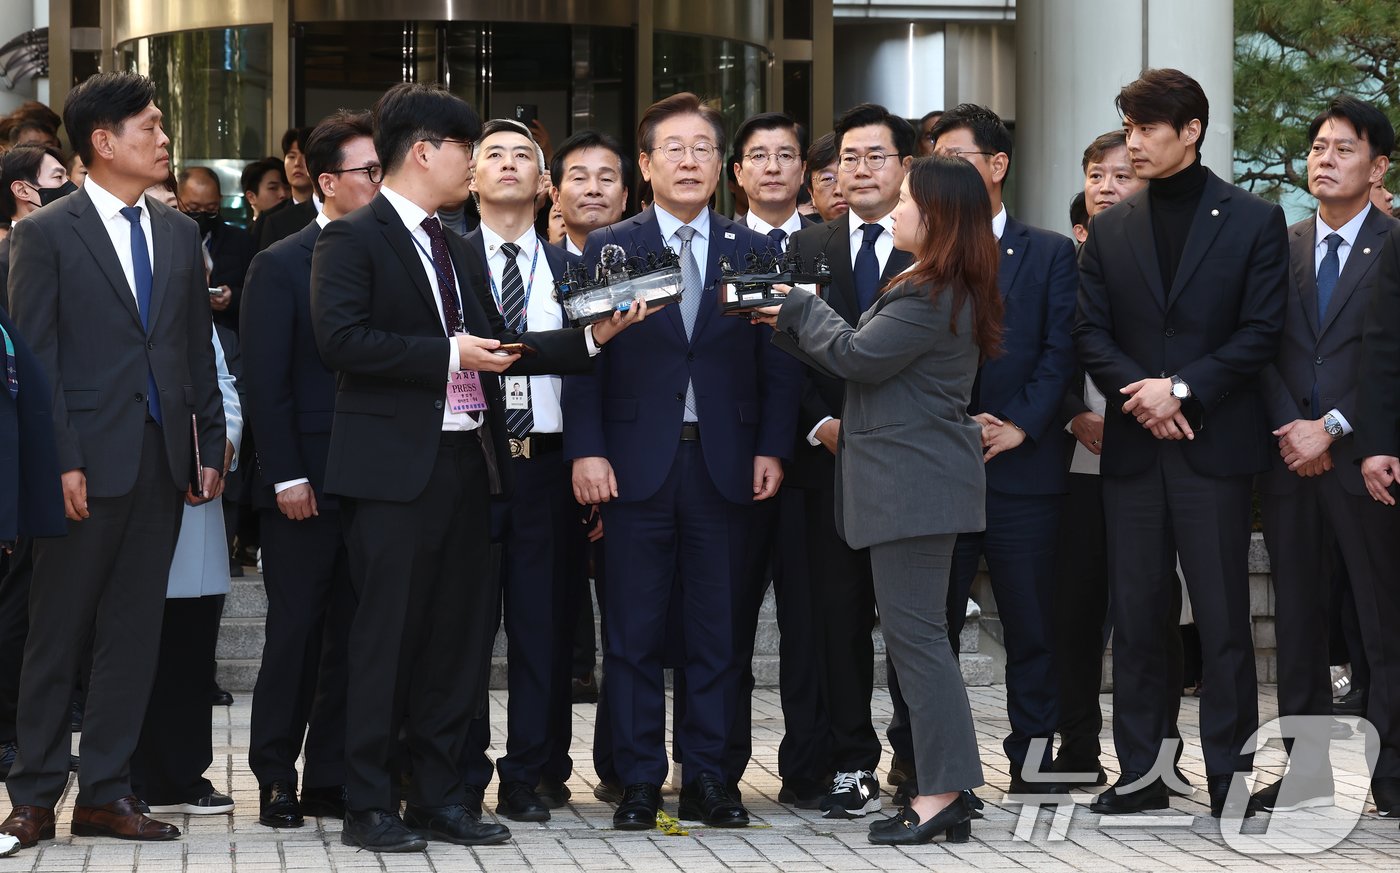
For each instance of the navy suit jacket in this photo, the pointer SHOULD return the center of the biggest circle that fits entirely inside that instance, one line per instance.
(291, 393)
(31, 496)
(630, 408)
(1027, 381)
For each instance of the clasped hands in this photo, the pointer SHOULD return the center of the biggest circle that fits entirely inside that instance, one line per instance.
(1154, 406)
(1303, 444)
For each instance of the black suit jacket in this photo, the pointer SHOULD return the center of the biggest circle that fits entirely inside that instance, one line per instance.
(1216, 327)
(31, 497)
(231, 250)
(1378, 401)
(555, 257)
(822, 394)
(5, 272)
(1326, 354)
(376, 322)
(284, 220)
(72, 302)
(291, 393)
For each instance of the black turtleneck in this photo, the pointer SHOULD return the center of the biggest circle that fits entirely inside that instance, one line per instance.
(1173, 201)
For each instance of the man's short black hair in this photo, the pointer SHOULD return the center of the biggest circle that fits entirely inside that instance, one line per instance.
(931, 114)
(324, 148)
(411, 111)
(21, 164)
(104, 101)
(987, 129)
(184, 176)
(589, 139)
(866, 114)
(1165, 96)
(254, 173)
(1369, 123)
(24, 126)
(510, 125)
(1078, 210)
(295, 136)
(823, 153)
(1097, 150)
(768, 121)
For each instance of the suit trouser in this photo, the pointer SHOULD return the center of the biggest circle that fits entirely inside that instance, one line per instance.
(687, 542)
(911, 578)
(176, 744)
(750, 587)
(300, 692)
(1154, 517)
(1019, 545)
(420, 641)
(14, 629)
(1301, 529)
(106, 578)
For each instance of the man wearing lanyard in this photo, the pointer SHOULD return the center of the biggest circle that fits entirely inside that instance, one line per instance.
(536, 522)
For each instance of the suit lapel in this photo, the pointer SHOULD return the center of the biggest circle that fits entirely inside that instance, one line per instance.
(1360, 260)
(723, 241)
(90, 229)
(1011, 254)
(161, 239)
(1211, 215)
(397, 236)
(1137, 227)
(640, 235)
(1300, 251)
(841, 293)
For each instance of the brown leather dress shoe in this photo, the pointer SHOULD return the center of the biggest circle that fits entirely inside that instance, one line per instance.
(122, 818)
(29, 825)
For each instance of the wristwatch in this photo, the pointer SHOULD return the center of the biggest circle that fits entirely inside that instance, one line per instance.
(1180, 390)
(1332, 425)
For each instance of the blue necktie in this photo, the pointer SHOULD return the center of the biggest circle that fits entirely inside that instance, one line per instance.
(867, 267)
(779, 238)
(141, 274)
(1327, 273)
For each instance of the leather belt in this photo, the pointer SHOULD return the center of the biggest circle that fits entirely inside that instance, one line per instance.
(536, 444)
(690, 432)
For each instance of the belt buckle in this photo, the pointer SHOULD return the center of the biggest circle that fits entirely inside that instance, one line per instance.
(520, 448)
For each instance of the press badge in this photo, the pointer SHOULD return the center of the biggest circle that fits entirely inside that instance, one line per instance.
(517, 392)
(464, 392)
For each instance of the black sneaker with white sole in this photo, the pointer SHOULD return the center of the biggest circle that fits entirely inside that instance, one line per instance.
(852, 795)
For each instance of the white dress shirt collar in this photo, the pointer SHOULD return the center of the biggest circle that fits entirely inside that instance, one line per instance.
(669, 224)
(571, 248)
(792, 225)
(1347, 231)
(999, 222)
(857, 223)
(493, 240)
(106, 203)
(322, 219)
(410, 213)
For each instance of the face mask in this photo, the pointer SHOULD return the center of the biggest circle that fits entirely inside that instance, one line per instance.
(207, 221)
(49, 195)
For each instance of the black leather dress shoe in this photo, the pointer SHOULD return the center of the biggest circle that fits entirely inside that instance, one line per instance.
(1064, 770)
(802, 793)
(326, 801)
(636, 810)
(608, 792)
(220, 697)
(1115, 801)
(707, 800)
(1021, 786)
(901, 771)
(1352, 703)
(379, 831)
(1221, 805)
(519, 802)
(954, 821)
(1385, 791)
(554, 795)
(453, 824)
(278, 807)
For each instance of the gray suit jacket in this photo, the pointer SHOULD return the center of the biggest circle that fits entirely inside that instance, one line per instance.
(70, 297)
(909, 460)
(1328, 353)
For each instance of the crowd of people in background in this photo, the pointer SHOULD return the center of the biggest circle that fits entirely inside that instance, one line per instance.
(375, 396)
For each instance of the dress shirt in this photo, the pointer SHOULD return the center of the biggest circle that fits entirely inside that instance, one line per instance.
(322, 219)
(109, 209)
(570, 247)
(1348, 234)
(542, 312)
(668, 224)
(999, 222)
(791, 226)
(412, 215)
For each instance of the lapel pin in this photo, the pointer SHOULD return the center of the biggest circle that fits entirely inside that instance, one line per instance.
(1215, 212)
(728, 235)
(1011, 251)
(1366, 251)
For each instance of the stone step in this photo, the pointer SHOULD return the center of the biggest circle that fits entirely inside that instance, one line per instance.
(238, 675)
(246, 598)
(240, 639)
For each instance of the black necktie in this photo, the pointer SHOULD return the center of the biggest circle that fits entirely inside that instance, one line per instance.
(1327, 274)
(779, 238)
(867, 267)
(518, 421)
(447, 279)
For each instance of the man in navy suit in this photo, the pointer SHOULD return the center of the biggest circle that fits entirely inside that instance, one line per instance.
(1017, 398)
(291, 398)
(535, 523)
(680, 429)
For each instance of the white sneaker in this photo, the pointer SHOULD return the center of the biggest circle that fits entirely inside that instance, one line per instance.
(214, 804)
(1341, 680)
(852, 795)
(8, 845)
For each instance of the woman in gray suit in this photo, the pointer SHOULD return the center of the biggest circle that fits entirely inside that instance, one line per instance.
(909, 469)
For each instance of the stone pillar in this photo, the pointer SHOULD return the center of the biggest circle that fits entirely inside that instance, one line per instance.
(1073, 56)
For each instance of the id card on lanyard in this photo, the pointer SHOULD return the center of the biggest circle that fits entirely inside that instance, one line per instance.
(464, 391)
(11, 369)
(529, 285)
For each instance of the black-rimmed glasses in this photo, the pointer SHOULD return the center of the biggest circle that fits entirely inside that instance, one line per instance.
(373, 171)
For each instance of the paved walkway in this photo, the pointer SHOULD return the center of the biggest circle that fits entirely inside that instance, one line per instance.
(580, 836)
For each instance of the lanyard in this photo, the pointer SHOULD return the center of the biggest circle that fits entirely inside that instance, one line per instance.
(442, 282)
(11, 370)
(496, 294)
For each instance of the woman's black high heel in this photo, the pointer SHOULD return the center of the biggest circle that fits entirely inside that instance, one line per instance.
(954, 821)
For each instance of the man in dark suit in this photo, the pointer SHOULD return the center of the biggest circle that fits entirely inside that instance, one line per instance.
(30, 177)
(296, 212)
(404, 315)
(120, 322)
(300, 690)
(677, 459)
(540, 517)
(826, 599)
(1315, 503)
(1181, 305)
(1016, 399)
(228, 250)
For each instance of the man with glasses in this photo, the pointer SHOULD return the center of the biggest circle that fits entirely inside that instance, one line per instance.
(678, 431)
(228, 250)
(822, 181)
(300, 691)
(830, 753)
(1017, 402)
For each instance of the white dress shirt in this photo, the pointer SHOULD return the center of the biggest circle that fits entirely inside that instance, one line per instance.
(999, 222)
(792, 226)
(1348, 234)
(570, 247)
(542, 312)
(109, 209)
(699, 244)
